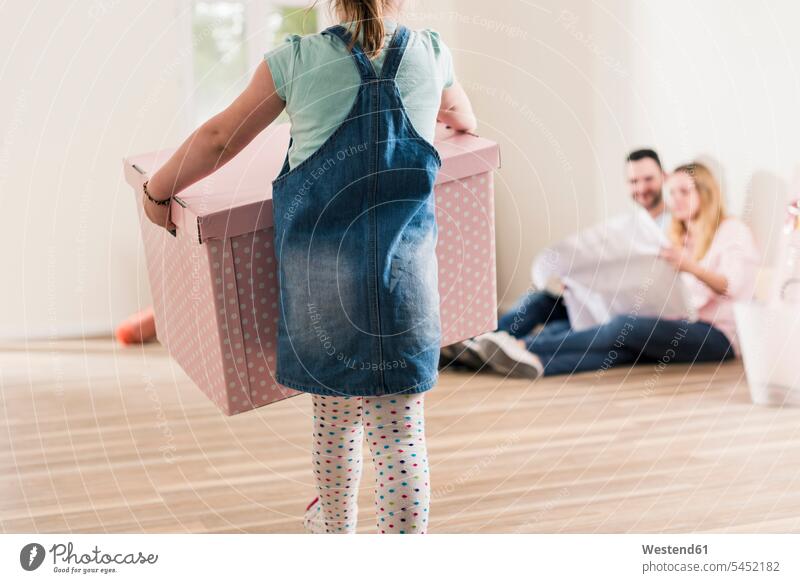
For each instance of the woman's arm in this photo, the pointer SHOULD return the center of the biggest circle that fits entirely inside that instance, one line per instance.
(216, 142)
(680, 259)
(455, 109)
(717, 282)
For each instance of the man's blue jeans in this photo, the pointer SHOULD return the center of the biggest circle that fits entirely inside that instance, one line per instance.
(532, 309)
(626, 339)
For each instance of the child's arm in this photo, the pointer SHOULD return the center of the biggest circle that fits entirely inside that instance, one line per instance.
(455, 109)
(219, 139)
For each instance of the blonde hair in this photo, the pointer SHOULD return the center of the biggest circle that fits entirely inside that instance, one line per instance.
(709, 215)
(368, 17)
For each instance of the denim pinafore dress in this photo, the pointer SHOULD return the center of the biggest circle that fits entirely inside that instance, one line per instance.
(355, 241)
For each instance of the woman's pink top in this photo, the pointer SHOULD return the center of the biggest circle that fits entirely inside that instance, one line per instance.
(733, 254)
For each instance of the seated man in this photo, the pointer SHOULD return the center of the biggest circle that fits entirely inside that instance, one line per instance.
(645, 178)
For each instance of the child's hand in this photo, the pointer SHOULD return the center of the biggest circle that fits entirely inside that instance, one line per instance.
(158, 214)
(455, 109)
(679, 258)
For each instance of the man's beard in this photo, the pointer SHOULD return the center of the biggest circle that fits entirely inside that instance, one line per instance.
(655, 201)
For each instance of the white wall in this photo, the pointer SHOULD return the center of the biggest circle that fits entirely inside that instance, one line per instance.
(531, 84)
(83, 85)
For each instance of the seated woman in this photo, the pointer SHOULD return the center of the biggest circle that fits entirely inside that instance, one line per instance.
(718, 258)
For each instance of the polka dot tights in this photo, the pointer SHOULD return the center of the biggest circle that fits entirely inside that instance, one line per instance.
(395, 430)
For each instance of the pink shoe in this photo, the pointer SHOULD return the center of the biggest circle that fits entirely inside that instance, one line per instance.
(313, 521)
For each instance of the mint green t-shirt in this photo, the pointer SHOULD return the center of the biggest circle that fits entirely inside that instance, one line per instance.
(316, 76)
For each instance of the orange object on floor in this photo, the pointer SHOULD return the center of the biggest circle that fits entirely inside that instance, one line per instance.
(137, 328)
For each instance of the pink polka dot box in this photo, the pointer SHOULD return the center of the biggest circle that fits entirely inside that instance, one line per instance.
(214, 283)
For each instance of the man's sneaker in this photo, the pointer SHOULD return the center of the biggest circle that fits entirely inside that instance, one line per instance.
(447, 356)
(504, 354)
(462, 353)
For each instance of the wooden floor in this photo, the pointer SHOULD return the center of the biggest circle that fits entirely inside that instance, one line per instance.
(99, 438)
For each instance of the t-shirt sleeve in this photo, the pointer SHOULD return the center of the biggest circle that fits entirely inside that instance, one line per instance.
(281, 61)
(443, 58)
(738, 259)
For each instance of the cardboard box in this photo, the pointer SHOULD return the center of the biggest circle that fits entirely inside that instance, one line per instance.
(214, 284)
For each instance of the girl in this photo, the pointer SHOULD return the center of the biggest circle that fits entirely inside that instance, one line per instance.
(355, 236)
(718, 260)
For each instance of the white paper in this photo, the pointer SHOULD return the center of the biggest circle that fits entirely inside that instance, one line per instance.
(613, 269)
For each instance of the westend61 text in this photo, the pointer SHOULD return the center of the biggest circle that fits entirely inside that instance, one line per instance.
(672, 550)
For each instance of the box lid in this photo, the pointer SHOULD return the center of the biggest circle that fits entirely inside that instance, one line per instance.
(237, 198)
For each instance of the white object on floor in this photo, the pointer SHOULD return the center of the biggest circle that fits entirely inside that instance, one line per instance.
(769, 337)
(786, 285)
(613, 269)
(504, 354)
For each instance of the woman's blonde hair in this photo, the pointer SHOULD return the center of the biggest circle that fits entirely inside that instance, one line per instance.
(709, 215)
(368, 17)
